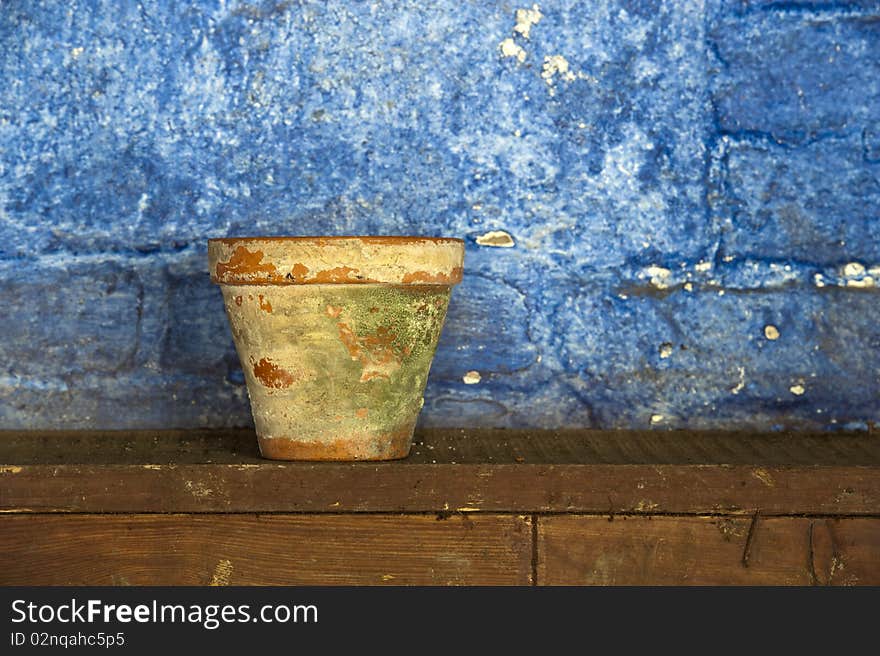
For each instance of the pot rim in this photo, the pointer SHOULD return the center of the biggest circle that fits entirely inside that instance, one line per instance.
(390, 240)
(302, 260)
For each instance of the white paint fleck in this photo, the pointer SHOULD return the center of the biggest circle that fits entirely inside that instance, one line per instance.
(797, 390)
(659, 276)
(665, 350)
(496, 238)
(854, 269)
(771, 332)
(689, 286)
(656, 419)
(509, 48)
(867, 281)
(76, 52)
(819, 280)
(526, 19)
(556, 65)
(702, 266)
(472, 378)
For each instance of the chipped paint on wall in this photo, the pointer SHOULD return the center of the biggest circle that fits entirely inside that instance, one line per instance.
(496, 238)
(509, 48)
(526, 19)
(472, 378)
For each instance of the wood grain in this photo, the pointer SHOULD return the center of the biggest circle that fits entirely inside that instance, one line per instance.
(453, 470)
(263, 550)
(589, 550)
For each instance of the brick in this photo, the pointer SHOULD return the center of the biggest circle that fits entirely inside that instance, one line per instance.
(783, 203)
(81, 318)
(796, 74)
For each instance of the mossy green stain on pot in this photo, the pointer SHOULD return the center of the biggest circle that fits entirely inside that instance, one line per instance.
(342, 367)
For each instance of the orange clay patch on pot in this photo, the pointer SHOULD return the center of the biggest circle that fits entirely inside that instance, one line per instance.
(244, 262)
(370, 446)
(338, 275)
(271, 375)
(299, 271)
(265, 306)
(333, 311)
(362, 413)
(375, 352)
(238, 301)
(432, 278)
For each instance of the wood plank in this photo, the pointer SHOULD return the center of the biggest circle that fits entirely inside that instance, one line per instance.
(466, 471)
(664, 550)
(264, 550)
(387, 487)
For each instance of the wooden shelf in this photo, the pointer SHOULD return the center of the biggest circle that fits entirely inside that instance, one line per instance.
(449, 471)
(467, 507)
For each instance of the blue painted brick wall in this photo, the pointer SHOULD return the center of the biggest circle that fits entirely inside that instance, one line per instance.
(678, 178)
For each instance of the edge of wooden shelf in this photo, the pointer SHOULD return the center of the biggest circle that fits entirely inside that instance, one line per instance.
(450, 471)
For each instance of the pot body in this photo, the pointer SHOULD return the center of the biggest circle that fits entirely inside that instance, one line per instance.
(335, 370)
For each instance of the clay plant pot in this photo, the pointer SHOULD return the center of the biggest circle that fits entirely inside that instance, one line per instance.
(336, 337)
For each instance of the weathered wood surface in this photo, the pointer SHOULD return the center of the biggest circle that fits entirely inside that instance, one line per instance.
(579, 550)
(458, 470)
(461, 446)
(264, 550)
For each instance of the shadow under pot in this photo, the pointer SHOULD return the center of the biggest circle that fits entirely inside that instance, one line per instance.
(336, 337)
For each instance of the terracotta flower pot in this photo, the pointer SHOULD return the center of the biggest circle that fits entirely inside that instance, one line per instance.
(336, 337)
